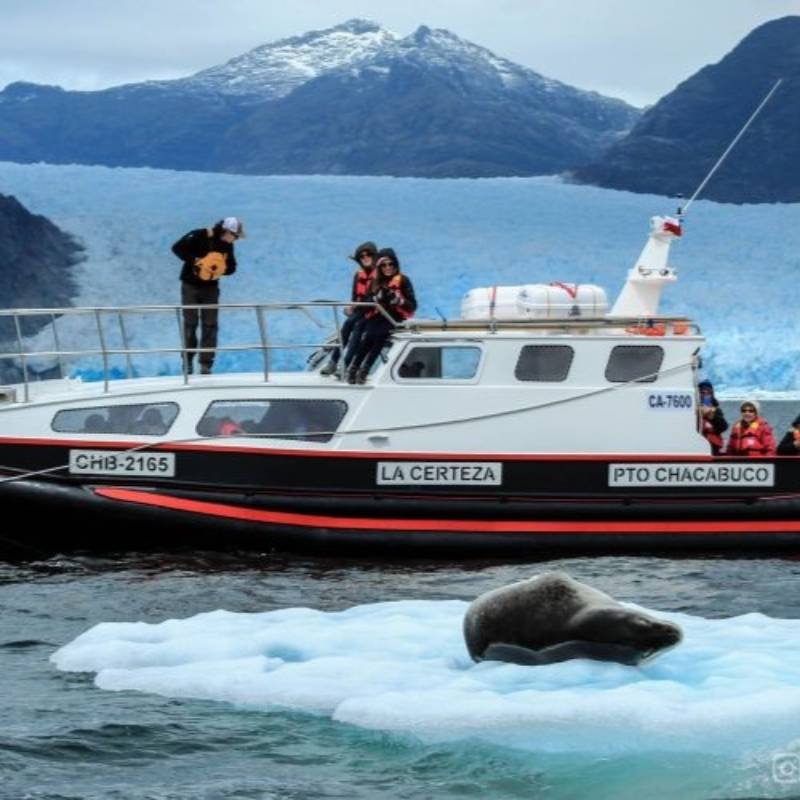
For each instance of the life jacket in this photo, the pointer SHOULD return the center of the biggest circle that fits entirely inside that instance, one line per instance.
(399, 311)
(229, 428)
(362, 284)
(754, 440)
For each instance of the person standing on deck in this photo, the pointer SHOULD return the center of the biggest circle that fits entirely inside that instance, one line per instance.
(207, 255)
(712, 421)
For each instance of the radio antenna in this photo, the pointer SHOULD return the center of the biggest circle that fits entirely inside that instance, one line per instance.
(730, 147)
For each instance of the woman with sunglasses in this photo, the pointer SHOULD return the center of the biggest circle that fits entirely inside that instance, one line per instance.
(364, 256)
(752, 434)
(394, 292)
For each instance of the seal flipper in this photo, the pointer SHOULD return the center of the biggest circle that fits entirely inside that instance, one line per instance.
(564, 651)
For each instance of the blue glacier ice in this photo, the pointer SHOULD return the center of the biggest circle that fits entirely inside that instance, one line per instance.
(738, 265)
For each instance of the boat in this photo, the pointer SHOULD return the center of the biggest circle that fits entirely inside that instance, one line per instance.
(538, 421)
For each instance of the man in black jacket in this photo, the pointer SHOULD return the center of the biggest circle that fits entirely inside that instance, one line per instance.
(207, 255)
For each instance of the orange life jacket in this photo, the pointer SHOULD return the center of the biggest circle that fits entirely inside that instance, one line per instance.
(361, 285)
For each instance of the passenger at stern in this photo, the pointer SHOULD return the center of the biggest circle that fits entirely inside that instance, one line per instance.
(394, 293)
(207, 255)
(364, 256)
(790, 444)
(751, 435)
(712, 421)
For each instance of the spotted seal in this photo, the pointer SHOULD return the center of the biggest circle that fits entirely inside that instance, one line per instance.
(552, 617)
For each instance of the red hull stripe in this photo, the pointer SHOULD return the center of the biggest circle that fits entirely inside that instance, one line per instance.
(455, 525)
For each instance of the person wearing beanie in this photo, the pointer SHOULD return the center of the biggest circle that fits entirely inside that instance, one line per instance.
(364, 255)
(207, 254)
(712, 421)
(394, 293)
(790, 444)
(751, 435)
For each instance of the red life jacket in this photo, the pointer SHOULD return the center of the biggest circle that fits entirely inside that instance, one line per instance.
(229, 428)
(754, 440)
(361, 285)
(400, 310)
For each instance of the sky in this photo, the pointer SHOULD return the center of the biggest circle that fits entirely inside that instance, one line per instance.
(623, 48)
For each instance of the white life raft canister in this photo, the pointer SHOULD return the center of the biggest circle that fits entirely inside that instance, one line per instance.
(535, 301)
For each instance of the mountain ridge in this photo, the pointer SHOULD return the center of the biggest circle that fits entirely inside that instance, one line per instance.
(678, 140)
(259, 112)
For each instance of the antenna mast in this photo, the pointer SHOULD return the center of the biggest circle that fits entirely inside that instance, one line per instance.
(731, 145)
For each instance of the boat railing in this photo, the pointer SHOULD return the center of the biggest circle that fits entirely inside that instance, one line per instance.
(110, 323)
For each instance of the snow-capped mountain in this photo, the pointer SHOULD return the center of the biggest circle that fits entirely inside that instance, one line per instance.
(316, 103)
(273, 70)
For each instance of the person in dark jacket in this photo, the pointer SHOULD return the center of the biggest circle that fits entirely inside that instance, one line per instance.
(364, 256)
(394, 292)
(712, 421)
(790, 444)
(207, 255)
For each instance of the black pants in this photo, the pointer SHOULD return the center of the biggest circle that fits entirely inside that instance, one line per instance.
(193, 295)
(376, 332)
(347, 328)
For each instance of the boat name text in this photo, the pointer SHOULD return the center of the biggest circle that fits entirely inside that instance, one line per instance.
(121, 462)
(439, 473)
(691, 474)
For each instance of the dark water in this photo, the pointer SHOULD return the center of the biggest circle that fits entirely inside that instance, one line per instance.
(63, 738)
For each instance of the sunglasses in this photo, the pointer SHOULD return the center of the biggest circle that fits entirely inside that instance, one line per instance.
(362, 256)
(387, 264)
(748, 411)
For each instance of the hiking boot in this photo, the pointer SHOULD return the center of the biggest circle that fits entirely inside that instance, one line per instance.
(329, 368)
(352, 374)
(205, 369)
(361, 376)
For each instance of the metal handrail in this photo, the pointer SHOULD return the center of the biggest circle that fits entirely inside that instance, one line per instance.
(101, 314)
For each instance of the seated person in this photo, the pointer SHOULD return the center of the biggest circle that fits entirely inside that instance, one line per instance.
(712, 421)
(229, 427)
(151, 423)
(393, 291)
(95, 423)
(790, 444)
(752, 434)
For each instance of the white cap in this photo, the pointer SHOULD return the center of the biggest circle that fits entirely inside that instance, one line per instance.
(234, 225)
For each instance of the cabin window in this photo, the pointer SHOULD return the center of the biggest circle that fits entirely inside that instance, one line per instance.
(450, 363)
(544, 362)
(145, 419)
(297, 420)
(634, 363)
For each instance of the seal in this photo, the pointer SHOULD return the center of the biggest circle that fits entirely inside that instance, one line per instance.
(552, 617)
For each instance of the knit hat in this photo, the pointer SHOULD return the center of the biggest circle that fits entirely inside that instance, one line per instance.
(756, 405)
(705, 385)
(367, 247)
(388, 252)
(234, 225)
